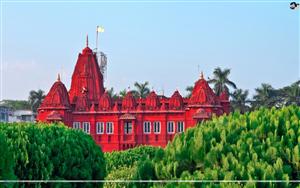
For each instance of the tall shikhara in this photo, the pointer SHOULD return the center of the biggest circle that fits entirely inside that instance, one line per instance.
(118, 124)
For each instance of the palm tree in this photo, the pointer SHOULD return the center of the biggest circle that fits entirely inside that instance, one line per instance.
(189, 90)
(142, 89)
(35, 99)
(221, 81)
(291, 94)
(266, 96)
(123, 93)
(111, 93)
(239, 100)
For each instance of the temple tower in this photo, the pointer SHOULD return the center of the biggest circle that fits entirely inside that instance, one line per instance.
(87, 80)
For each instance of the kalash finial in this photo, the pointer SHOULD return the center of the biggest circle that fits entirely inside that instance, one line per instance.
(58, 77)
(87, 40)
(201, 75)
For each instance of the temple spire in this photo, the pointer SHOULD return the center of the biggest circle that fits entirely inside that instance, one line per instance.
(58, 77)
(201, 75)
(87, 40)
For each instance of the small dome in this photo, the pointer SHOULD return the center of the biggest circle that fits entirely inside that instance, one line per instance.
(202, 94)
(128, 103)
(152, 101)
(57, 96)
(82, 103)
(105, 102)
(176, 101)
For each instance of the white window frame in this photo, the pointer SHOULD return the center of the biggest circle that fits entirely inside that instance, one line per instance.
(147, 127)
(180, 123)
(109, 128)
(86, 127)
(156, 123)
(100, 128)
(131, 130)
(168, 130)
(76, 125)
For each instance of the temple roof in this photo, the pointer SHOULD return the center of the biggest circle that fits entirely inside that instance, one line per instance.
(224, 96)
(176, 101)
(152, 101)
(57, 96)
(87, 77)
(128, 101)
(202, 94)
(105, 102)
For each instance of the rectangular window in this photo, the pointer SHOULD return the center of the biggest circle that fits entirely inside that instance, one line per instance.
(147, 127)
(109, 128)
(76, 125)
(156, 127)
(86, 127)
(128, 128)
(100, 127)
(170, 127)
(180, 126)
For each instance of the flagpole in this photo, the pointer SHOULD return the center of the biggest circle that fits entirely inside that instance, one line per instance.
(97, 39)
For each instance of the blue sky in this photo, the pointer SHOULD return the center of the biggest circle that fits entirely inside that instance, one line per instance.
(163, 43)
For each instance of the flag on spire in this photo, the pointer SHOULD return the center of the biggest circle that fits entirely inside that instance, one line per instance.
(100, 29)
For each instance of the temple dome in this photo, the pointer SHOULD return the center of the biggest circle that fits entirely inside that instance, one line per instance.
(202, 94)
(82, 103)
(128, 102)
(105, 102)
(57, 96)
(152, 101)
(176, 101)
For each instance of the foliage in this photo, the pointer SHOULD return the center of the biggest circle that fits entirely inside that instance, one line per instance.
(128, 158)
(189, 90)
(239, 100)
(35, 99)
(43, 152)
(6, 164)
(17, 104)
(112, 93)
(221, 81)
(142, 89)
(121, 174)
(123, 93)
(291, 94)
(261, 145)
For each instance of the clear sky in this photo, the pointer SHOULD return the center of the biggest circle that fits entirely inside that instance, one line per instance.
(166, 43)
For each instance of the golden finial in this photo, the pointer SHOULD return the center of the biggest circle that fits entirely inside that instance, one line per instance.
(87, 40)
(201, 75)
(58, 77)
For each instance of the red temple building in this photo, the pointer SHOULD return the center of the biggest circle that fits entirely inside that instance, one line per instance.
(118, 124)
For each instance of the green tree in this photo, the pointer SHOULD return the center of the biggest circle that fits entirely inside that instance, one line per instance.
(35, 99)
(189, 90)
(43, 152)
(221, 81)
(239, 100)
(111, 93)
(265, 96)
(17, 104)
(141, 89)
(6, 160)
(291, 94)
(123, 93)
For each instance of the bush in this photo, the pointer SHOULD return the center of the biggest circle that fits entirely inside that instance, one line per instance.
(44, 152)
(261, 145)
(128, 158)
(6, 162)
